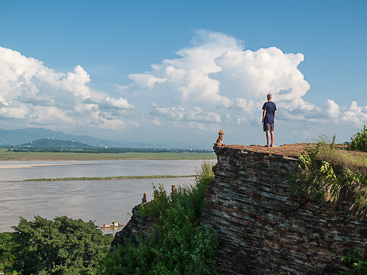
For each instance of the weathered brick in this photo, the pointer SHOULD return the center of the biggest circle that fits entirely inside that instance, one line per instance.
(264, 228)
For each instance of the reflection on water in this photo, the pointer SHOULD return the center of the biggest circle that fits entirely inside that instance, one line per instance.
(103, 201)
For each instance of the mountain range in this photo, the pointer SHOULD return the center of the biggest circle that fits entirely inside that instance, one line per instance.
(22, 136)
(51, 143)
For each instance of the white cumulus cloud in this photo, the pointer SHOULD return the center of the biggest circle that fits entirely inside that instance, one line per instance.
(216, 72)
(120, 103)
(146, 80)
(37, 95)
(180, 114)
(214, 82)
(355, 114)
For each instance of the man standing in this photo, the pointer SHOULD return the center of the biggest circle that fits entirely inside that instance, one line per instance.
(269, 113)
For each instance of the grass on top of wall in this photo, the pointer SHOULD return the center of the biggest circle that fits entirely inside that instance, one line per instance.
(332, 174)
(340, 157)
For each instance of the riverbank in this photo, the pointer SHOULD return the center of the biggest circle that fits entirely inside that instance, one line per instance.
(65, 156)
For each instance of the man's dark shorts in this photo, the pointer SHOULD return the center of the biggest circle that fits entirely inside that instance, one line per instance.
(268, 127)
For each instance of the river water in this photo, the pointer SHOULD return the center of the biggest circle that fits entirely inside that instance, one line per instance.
(102, 201)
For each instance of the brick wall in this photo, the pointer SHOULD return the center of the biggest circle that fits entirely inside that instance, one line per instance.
(135, 226)
(264, 228)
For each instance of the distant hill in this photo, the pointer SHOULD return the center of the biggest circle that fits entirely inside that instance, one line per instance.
(21, 136)
(50, 143)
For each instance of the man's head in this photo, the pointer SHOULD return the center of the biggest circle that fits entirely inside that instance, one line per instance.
(269, 97)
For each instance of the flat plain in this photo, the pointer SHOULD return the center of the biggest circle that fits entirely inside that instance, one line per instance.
(6, 155)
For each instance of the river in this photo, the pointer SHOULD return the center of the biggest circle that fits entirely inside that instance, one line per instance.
(102, 201)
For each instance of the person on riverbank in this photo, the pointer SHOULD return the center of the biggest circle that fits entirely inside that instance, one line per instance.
(269, 112)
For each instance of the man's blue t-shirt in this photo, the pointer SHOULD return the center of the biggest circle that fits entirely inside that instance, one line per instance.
(270, 109)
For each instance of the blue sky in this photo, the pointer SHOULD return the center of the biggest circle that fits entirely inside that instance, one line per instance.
(175, 72)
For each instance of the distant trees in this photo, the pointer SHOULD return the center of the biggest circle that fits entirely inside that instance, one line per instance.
(98, 150)
(59, 246)
(359, 141)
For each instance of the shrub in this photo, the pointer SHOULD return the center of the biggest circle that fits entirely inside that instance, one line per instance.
(359, 141)
(190, 196)
(179, 245)
(6, 256)
(356, 261)
(59, 246)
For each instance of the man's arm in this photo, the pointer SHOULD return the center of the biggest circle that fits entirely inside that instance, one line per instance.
(275, 112)
(264, 114)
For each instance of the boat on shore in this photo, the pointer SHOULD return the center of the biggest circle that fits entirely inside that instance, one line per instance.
(111, 225)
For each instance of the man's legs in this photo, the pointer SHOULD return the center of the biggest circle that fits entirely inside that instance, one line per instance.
(272, 138)
(267, 138)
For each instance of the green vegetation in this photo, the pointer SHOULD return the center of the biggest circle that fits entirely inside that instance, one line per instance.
(342, 160)
(50, 143)
(356, 261)
(6, 256)
(111, 178)
(359, 141)
(59, 246)
(96, 155)
(330, 174)
(60, 145)
(179, 244)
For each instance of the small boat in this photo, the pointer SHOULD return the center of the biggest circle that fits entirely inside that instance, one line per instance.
(111, 225)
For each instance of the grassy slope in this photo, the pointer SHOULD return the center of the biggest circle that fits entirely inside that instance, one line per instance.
(341, 158)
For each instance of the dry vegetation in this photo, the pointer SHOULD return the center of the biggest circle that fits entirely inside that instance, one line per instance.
(330, 173)
(343, 159)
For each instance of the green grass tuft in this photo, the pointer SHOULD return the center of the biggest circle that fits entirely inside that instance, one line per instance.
(329, 173)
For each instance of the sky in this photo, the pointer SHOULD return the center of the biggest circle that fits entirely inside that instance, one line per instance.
(174, 73)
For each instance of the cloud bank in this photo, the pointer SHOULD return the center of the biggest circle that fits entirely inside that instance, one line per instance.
(219, 76)
(213, 83)
(37, 95)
